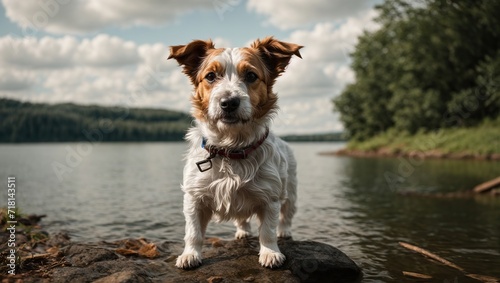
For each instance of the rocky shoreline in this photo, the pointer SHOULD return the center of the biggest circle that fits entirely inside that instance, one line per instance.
(55, 258)
(433, 154)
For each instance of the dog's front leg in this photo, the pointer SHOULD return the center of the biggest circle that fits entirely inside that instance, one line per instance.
(269, 254)
(197, 219)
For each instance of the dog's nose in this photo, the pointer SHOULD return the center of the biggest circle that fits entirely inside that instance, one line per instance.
(229, 104)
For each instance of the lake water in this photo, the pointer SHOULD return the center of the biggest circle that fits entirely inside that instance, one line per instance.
(118, 190)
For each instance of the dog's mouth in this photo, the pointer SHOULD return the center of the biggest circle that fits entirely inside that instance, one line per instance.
(232, 119)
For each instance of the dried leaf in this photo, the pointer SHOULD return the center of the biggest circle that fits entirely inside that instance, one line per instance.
(126, 252)
(140, 247)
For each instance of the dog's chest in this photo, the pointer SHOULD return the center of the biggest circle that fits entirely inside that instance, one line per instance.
(235, 205)
(233, 190)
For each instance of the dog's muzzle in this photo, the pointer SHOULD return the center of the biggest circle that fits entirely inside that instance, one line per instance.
(229, 105)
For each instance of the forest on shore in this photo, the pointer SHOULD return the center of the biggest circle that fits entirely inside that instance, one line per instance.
(36, 122)
(432, 67)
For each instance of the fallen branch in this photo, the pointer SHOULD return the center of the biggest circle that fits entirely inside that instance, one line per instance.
(479, 277)
(417, 275)
(483, 278)
(487, 186)
(431, 255)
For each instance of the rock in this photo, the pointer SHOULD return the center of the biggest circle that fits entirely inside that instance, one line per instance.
(318, 262)
(215, 279)
(80, 255)
(123, 277)
(119, 271)
(223, 261)
(60, 239)
(30, 220)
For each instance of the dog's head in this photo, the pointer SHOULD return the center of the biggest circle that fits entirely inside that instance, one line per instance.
(233, 86)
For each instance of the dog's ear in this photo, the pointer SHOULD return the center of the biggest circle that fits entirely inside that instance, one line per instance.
(276, 54)
(190, 56)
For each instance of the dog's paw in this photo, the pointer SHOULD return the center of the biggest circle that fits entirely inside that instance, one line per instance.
(188, 260)
(242, 234)
(271, 259)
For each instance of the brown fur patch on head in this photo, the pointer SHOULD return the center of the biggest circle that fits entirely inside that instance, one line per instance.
(276, 54)
(191, 56)
(201, 98)
(271, 57)
(195, 59)
(262, 97)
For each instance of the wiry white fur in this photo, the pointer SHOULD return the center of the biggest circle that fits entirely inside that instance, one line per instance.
(263, 184)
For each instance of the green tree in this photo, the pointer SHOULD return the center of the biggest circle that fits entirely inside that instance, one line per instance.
(432, 64)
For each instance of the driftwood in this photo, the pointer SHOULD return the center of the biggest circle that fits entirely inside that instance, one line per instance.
(417, 275)
(479, 277)
(483, 278)
(487, 186)
(430, 255)
(492, 187)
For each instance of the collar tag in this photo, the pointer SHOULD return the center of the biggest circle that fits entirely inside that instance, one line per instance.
(204, 165)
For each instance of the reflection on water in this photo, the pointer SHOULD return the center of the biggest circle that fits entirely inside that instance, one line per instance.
(132, 190)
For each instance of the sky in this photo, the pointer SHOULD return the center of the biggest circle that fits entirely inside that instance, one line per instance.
(114, 52)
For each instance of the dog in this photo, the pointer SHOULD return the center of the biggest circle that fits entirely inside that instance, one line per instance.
(235, 167)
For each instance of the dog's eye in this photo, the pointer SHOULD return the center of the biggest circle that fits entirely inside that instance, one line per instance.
(250, 77)
(210, 77)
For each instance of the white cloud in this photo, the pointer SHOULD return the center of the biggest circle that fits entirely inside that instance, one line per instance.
(13, 80)
(83, 16)
(102, 70)
(309, 84)
(49, 52)
(220, 42)
(53, 53)
(324, 69)
(104, 50)
(152, 54)
(306, 115)
(333, 42)
(286, 14)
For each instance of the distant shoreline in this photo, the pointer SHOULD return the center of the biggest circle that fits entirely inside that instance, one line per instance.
(481, 142)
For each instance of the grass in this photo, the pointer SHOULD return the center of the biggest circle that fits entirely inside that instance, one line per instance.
(26, 225)
(481, 140)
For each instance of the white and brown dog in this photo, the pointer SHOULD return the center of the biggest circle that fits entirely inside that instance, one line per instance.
(235, 167)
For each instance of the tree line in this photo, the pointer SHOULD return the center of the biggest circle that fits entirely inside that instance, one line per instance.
(432, 64)
(327, 137)
(30, 122)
